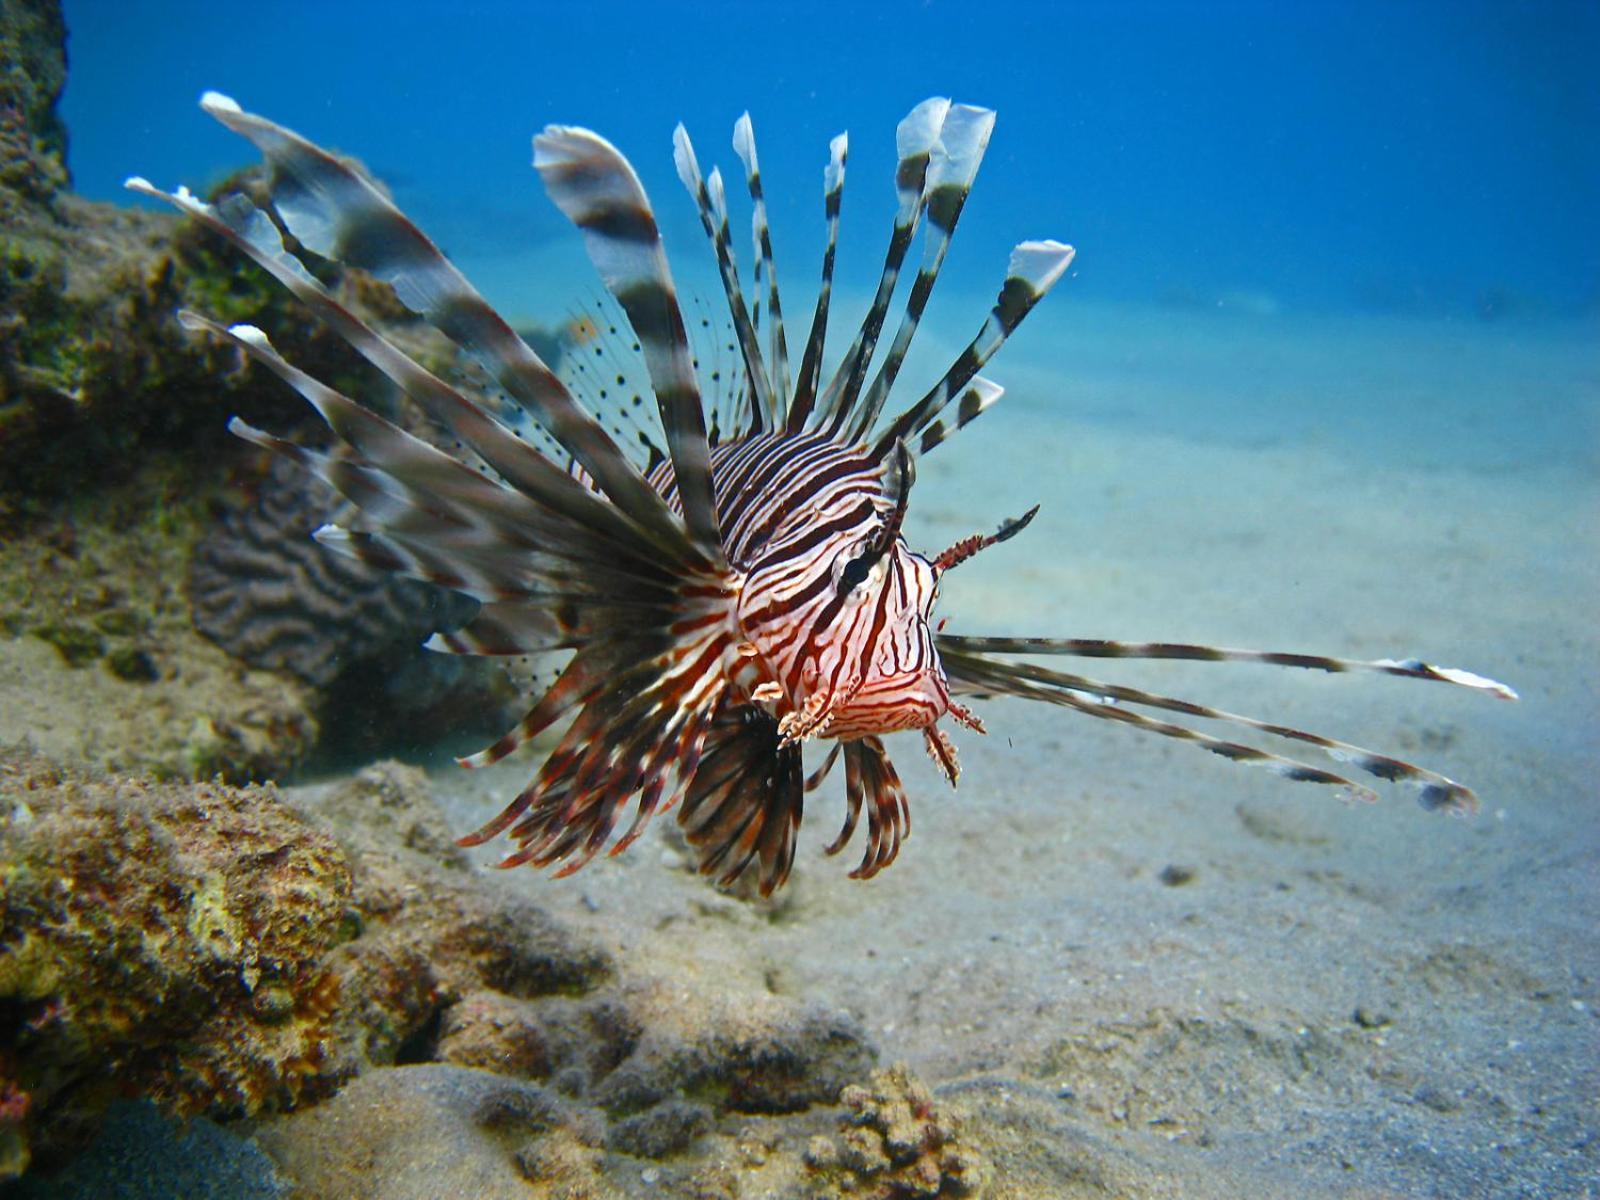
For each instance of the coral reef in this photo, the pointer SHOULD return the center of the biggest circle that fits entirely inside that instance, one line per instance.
(214, 950)
(166, 940)
(235, 951)
(261, 589)
(101, 666)
(431, 1130)
(33, 70)
(504, 989)
(244, 951)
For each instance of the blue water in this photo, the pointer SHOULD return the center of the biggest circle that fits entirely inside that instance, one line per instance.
(1424, 158)
(1324, 376)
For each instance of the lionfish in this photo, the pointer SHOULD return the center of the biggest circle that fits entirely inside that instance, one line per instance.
(726, 593)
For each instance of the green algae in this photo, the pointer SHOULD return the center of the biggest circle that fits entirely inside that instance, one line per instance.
(77, 644)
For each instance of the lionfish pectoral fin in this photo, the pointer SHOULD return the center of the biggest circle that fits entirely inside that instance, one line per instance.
(745, 800)
(337, 212)
(871, 781)
(970, 661)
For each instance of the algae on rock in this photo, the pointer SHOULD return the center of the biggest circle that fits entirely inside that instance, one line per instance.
(167, 940)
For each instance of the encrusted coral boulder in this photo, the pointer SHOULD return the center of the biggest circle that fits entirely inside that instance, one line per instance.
(160, 940)
(218, 950)
(895, 1142)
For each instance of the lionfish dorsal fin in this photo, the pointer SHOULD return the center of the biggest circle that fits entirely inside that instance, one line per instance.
(744, 145)
(915, 139)
(603, 366)
(963, 138)
(708, 197)
(589, 180)
(1033, 271)
(805, 388)
(980, 396)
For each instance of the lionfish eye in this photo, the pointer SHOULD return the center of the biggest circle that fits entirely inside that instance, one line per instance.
(857, 569)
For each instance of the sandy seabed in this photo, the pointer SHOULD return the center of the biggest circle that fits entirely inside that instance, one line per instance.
(1266, 988)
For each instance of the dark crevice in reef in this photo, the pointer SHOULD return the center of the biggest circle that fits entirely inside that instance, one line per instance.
(423, 1045)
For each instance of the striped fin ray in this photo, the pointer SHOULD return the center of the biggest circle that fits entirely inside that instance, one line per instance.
(1437, 792)
(805, 387)
(915, 139)
(423, 514)
(529, 623)
(590, 181)
(580, 681)
(248, 228)
(744, 804)
(337, 212)
(963, 138)
(637, 737)
(985, 677)
(870, 778)
(710, 199)
(1410, 668)
(1033, 271)
(974, 402)
(744, 145)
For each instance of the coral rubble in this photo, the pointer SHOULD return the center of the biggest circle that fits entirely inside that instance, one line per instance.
(896, 1142)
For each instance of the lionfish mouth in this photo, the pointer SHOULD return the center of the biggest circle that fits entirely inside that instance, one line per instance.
(745, 524)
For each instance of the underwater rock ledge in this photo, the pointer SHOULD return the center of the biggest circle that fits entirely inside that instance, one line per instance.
(236, 952)
(113, 429)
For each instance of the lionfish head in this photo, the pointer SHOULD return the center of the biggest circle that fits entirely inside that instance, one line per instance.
(854, 652)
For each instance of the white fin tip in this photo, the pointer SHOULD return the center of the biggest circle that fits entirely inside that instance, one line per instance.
(250, 334)
(1040, 263)
(215, 102)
